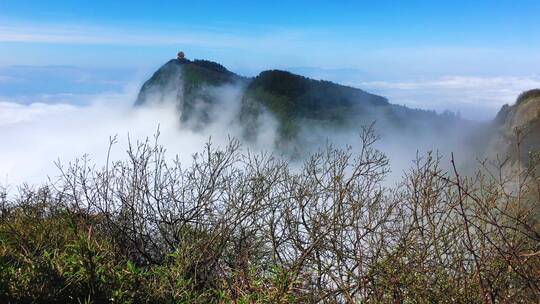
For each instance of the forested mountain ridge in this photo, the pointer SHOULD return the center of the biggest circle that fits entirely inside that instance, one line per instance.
(291, 99)
(298, 103)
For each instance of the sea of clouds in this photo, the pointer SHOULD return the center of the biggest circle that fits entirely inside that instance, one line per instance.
(40, 129)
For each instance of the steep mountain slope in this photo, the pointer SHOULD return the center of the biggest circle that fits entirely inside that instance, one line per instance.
(518, 127)
(186, 83)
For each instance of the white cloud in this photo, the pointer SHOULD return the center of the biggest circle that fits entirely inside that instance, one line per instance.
(91, 34)
(459, 82)
(7, 79)
(255, 47)
(474, 97)
(33, 136)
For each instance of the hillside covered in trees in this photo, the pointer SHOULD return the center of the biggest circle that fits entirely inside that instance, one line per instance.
(293, 100)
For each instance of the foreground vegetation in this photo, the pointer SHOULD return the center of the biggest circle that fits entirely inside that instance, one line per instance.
(243, 228)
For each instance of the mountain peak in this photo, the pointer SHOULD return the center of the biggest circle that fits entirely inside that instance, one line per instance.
(291, 99)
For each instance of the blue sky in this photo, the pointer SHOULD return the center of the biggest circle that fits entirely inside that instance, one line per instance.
(377, 45)
(270, 32)
(70, 70)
